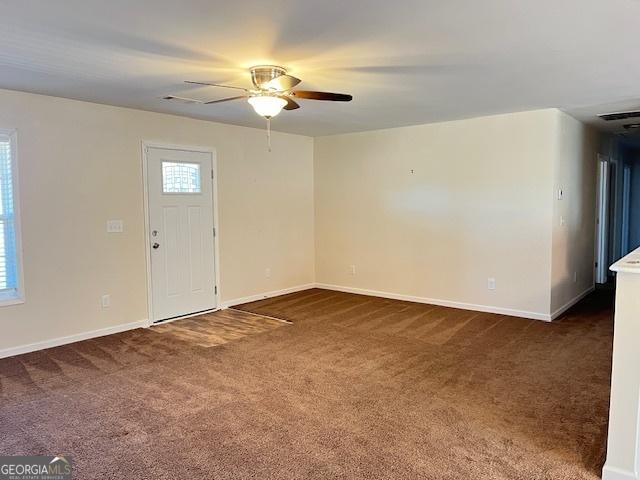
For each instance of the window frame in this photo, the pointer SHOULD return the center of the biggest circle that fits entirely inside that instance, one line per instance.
(18, 296)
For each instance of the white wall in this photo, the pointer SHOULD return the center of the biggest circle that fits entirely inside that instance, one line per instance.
(426, 212)
(431, 212)
(573, 253)
(80, 165)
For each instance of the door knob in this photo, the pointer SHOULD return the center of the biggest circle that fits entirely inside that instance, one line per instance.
(156, 246)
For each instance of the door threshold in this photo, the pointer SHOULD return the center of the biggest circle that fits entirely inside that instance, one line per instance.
(189, 315)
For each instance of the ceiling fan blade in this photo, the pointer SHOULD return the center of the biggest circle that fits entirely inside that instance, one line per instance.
(281, 83)
(225, 99)
(291, 105)
(215, 85)
(332, 97)
(193, 100)
(182, 99)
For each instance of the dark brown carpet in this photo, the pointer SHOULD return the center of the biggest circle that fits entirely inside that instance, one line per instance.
(357, 387)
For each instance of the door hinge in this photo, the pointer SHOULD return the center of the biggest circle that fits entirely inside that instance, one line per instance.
(214, 231)
(211, 174)
(215, 289)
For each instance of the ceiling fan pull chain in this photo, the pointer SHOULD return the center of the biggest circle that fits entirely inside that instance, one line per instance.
(269, 132)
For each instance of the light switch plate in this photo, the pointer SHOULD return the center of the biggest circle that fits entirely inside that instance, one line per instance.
(115, 226)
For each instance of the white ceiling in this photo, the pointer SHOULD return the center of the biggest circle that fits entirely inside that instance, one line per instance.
(404, 61)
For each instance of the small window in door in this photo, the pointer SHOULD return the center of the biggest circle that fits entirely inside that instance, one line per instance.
(178, 177)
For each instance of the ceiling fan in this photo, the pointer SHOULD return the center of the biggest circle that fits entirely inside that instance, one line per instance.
(272, 92)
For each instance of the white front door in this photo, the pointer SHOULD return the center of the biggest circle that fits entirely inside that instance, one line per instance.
(180, 199)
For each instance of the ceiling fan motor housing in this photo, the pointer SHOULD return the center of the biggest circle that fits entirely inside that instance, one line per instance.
(262, 74)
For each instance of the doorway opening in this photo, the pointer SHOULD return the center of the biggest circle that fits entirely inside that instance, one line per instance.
(618, 216)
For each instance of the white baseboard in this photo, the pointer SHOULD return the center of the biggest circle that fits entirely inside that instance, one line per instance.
(571, 303)
(443, 303)
(613, 473)
(56, 342)
(262, 296)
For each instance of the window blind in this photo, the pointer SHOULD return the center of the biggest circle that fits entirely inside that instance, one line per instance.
(8, 258)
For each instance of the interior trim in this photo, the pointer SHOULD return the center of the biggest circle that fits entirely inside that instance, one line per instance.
(262, 296)
(613, 473)
(78, 337)
(571, 303)
(443, 303)
(56, 342)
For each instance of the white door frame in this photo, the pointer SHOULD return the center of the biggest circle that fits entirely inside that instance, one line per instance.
(626, 205)
(602, 220)
(214, 192)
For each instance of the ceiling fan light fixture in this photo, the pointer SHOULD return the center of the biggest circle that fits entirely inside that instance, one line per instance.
(267, 106)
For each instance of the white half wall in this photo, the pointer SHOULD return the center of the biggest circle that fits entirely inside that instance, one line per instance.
(80, 165)
(623, 443)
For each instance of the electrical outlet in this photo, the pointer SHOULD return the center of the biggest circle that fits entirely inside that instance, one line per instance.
(115, 226)
(491, 283)
(352, 269)
(106, 301)
(267, 272)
